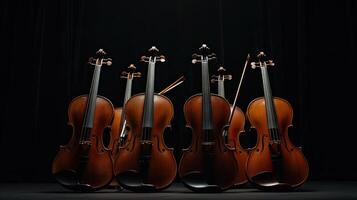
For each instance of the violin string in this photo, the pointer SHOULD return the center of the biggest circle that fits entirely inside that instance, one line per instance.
(82, 135)
(83, 130)
(269, 103)
(272, 116)
(89, 103)
(274, 136)
(276, 132)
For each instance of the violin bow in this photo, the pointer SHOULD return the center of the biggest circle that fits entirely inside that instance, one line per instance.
(173, 85)
(238, 89)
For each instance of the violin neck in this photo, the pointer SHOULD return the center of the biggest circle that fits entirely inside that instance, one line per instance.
(221, 88)
(269, 103)
(149, 98)
(206, 97)
(91, 102)
(128, 87)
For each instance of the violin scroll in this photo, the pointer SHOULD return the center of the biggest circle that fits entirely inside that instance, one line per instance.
(204, 53)
(99, 59)
(221, 75)
(261, 62)
(153, 54)
(131, 73)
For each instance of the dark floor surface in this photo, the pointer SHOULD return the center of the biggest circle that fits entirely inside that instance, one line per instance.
(310, 190)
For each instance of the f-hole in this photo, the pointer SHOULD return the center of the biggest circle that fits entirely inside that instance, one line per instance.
(293, 136)
(106, 137)
(168, 136)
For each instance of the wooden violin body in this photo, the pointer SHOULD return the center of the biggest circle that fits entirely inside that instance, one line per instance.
(86, 166)
(144, 163)
(115, 130)
(207, 166)
(236, 125)
(115, 139)
(294, 166)
(161, 167)
(119, 135)
(275, 163)
(235, 129)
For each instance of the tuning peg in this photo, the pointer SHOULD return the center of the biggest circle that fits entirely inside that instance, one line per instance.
(144, 59)
(227, 77)
(212, 55)
(124, 73)
(213, 80)
(196, 56)
(92, 61)
(107, 61)
(162, 58)
(215, 77)
(194, 61)
(212, 58)
(137, 74)
(270, 63)
(253, 65)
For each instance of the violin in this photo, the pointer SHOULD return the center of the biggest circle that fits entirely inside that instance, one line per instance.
(236, 127)
(118, 134)
(85, 164)
(121, 127)
(208, 165)
(118, 131)
(145, 163)
(274, 163)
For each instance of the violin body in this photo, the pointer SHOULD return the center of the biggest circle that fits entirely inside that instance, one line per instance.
(236, 125)
(115, 131)
(115, 138)
(161, 167)
(294, 168)
(88, 166)
(235, 129)
(204, 166)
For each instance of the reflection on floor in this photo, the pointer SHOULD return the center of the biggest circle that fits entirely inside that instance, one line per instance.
(311, 190)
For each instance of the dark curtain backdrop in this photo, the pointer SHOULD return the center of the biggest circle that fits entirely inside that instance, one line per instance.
(45, 45)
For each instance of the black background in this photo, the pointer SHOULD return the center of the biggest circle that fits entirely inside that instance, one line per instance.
(45, 45)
